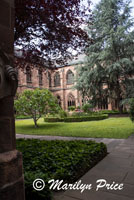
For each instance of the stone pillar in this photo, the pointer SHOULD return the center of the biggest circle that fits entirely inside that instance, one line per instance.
(63, 86)
(11, 171)
(109, 104)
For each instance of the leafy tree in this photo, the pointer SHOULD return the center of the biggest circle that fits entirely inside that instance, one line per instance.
(131, 109)
(129, 103)
(109, 63)
(50, 28)
(36, 103)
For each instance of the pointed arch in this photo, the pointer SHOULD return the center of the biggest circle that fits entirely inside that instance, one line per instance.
(69, 77)
(40, 77)
(49, 79)
(57, 79)
(28, 75)
(71, 100)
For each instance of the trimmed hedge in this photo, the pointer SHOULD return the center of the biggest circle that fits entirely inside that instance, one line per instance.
(23, 117)
(76, 119)
(85, 118)
(53, 119)
(63, 160)
(111, 112)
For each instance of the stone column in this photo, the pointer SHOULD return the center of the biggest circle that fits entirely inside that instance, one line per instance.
(63, 86)
(11, 171)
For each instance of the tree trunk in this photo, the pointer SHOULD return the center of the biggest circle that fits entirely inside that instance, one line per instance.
(120, 107)
(119, 98)
(35, 122)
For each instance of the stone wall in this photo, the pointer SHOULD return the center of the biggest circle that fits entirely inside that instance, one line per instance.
(22, 84)
(11, 170)
(66, 89)
(63, 91)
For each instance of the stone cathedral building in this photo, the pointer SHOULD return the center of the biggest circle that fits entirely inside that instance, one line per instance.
(60, 81)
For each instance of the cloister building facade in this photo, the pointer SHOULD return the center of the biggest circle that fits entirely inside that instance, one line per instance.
(60, 81)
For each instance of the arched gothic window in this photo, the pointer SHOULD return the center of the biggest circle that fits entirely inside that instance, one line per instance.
(57, 79)
(28, 75)
(59, 100)
(70, 77)
(49, 79)
(40, 77)
(71, 100)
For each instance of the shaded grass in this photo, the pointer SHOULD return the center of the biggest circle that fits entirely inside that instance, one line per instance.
(108, 128)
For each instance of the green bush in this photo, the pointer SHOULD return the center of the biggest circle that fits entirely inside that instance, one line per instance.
(79, 114)
(76, 118)
(53, 119)
(63, 160)
(131, 109)
(87, 108)
(60, 114)
(63, 114)
(71, 108)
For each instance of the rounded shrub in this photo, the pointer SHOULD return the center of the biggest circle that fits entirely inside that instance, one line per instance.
(87, 108)
(71, 108)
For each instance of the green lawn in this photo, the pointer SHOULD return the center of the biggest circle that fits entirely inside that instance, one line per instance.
(108, 128)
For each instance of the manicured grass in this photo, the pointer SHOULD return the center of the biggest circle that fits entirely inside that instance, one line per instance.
(108, 128)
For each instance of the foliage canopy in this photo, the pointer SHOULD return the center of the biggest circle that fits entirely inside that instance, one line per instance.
(36, 103)
(109, 65)
(50, 29)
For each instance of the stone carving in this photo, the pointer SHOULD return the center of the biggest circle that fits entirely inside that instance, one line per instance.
(8, 77)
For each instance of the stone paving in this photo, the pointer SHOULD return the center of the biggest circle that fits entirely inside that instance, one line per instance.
(116, 168)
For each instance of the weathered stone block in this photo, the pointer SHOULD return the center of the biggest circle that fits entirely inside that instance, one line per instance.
(7, 125)
(14, 191)
(11, 178)
(10, 167)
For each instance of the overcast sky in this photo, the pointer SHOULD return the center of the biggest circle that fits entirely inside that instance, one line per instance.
(96, 1)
